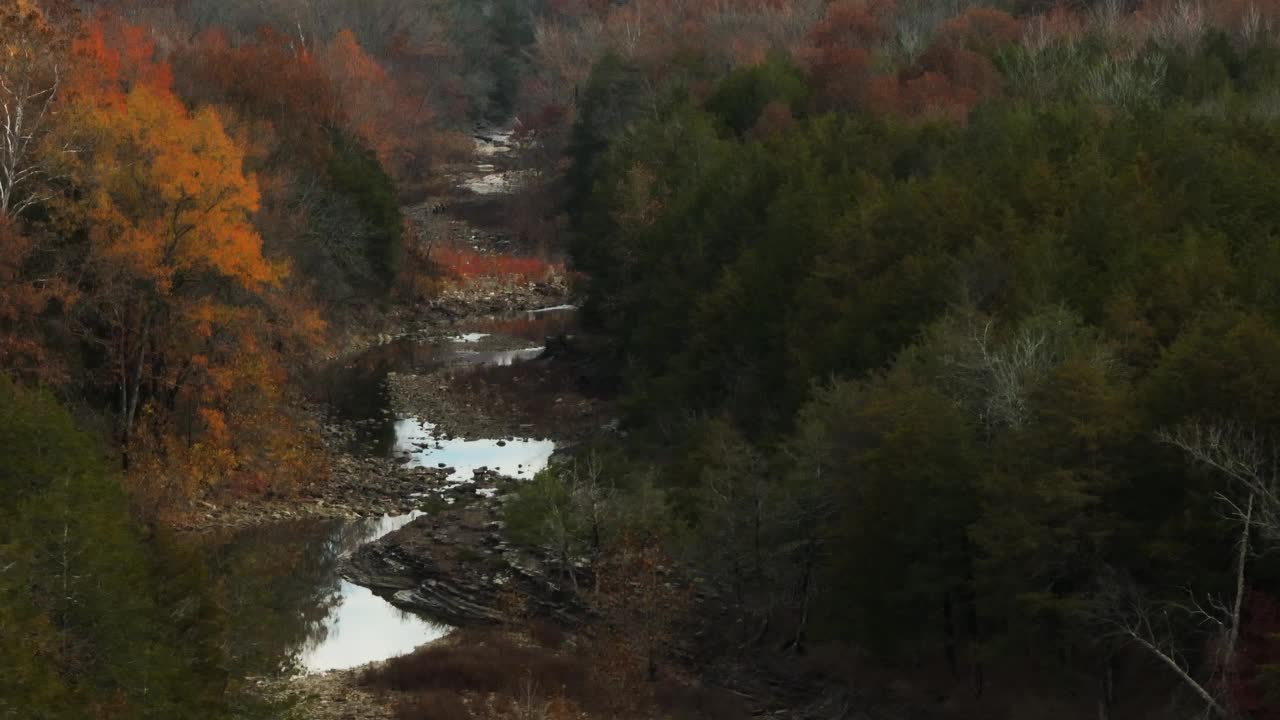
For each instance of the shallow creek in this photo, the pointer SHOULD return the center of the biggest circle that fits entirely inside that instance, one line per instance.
(291, 611)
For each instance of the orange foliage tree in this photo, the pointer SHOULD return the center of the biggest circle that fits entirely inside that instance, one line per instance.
(178, 289)
(167, 205)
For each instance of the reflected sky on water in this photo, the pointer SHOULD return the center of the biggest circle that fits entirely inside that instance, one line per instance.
(362, 627)
(290, 611)
(519, 458)
(287, 607)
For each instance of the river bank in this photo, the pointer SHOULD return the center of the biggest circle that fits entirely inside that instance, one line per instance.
(412, 355)
(393, 458)
(431, 418)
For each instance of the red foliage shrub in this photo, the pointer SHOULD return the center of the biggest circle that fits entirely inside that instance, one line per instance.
(479, 661)
(466, 264)
(546, 634)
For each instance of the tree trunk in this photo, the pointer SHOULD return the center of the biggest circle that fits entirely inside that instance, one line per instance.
(1107, 691)
(1196, 687)
(949, 631)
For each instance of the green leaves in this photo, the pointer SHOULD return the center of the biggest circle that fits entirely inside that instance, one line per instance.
(357, 175)
(90, 618)
(940, 352)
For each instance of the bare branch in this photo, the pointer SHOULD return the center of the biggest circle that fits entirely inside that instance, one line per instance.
(1245, 458)
(1150, 626)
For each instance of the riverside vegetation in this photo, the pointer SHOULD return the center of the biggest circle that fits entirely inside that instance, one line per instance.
(943, 336)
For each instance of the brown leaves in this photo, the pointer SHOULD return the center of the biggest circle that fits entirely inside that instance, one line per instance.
(295, 100)
(25, 295)
(849, 24)
(846, 66)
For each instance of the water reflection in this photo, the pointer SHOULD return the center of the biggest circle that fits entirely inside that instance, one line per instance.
(362, 627)
(502, 358)
(535, 325)
(290, 611)
(522, 457)
(357, 391)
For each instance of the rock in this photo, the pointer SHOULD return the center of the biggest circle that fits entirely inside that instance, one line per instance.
(455, 568)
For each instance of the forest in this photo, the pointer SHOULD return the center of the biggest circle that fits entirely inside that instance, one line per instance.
(942, 333)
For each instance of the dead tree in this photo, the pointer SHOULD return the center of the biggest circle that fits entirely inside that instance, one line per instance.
(30, 78)
(1248, 462)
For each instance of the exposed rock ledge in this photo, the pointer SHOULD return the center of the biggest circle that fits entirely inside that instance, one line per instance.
(454, 566)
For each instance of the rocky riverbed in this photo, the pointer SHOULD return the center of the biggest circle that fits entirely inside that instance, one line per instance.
(335, 695)
(455, 565)
(479, 298)
(454, 386)
(536, 397)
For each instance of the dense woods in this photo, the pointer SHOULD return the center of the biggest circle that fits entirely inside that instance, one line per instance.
(945, 331)
(951, 332)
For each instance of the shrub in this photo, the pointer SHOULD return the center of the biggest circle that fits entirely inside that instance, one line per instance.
(483, 662)
(434, 705)
(546, 634)
(467, 264)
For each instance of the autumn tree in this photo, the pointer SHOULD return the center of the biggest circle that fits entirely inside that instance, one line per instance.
(34, 151)
(374, 105)
(32, 71)
(289, 109)
(167, 213)
(838, 52)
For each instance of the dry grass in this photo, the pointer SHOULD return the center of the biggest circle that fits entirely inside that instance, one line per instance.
(546, 634)
(682, 702)
(485, 663)
(485, 673)
(434, 705)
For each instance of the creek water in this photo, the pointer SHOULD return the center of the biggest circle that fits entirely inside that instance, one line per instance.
(519, 458)
(290, 610)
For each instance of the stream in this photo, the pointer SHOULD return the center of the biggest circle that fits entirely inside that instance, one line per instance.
(291, 612)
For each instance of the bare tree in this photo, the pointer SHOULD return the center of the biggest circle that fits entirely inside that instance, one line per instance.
(30, 77)
(1248, 461)
(1244, 456)
(993, 371)
(1151, 627)
(1180, 24)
